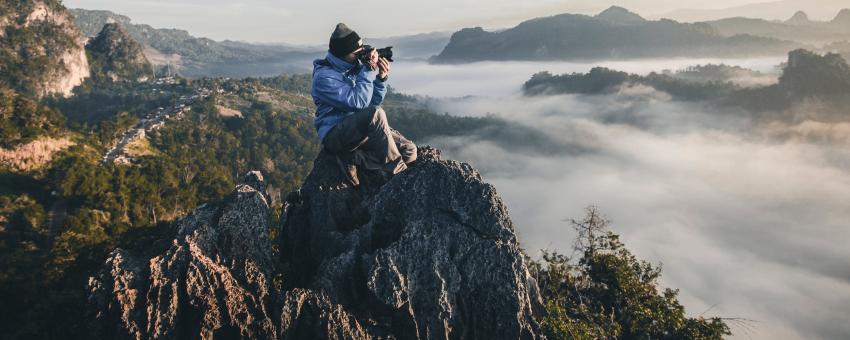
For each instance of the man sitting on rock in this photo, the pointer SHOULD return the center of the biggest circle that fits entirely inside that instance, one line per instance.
(350, 121)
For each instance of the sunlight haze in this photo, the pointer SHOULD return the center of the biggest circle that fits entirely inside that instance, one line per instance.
(310, 22)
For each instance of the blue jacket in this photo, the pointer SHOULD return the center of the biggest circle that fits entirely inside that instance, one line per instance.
(340, 89)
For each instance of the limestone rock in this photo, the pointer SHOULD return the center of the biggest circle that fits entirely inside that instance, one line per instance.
(118, 56)
(215, 279)
(431, 254)
(307, 315)
(428, 254)
(50, 58)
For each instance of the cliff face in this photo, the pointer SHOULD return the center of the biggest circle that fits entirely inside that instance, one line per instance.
(431, 254)
(42, 49)
(213, 278)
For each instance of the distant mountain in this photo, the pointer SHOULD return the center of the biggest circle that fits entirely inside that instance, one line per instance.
(842, 18)
(41, 52)
(773, 10)
(799, 18)
(807, 77)
(194, 56)
(620, 16)
(197, 57)
(840, 47)
(417, 46)
(798, 28)
(614, 33)
(117, 57)
(167, 41)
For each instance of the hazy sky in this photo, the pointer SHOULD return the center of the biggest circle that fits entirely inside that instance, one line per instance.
(310, 21)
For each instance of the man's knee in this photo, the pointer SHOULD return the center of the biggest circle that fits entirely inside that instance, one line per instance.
(371, 118)
(379, 116)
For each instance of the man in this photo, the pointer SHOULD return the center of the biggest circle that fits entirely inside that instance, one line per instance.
(349, 119)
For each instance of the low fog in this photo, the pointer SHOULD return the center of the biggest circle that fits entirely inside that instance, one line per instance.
(749, 220)
(496, 78)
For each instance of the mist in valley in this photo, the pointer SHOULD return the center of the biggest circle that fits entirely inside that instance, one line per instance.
(500, 78)
(747, 217)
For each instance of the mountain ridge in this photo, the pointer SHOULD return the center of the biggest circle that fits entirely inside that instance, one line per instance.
(768, 10)
(798, 27)
(613, 34)
(192, 56)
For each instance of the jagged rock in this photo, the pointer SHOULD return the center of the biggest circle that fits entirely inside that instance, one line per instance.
(215, 280)
(255, 180)
(429, 254)
(307, 315)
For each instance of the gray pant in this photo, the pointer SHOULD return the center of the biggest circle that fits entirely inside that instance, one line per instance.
(366, 138)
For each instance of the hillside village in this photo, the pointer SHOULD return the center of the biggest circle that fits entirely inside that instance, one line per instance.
(120, 152)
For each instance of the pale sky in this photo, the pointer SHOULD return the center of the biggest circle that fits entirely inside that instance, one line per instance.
(310, 21)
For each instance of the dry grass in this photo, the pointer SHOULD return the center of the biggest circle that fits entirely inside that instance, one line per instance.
(33, 155)
(140, 147)
(228, 112)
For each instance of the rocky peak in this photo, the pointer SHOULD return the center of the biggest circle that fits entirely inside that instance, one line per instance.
(799, 18)
(843, 17)
(91, 22)
(431, 253)
(808, 73)
(43, 50)
(620, 16)
(117, 56)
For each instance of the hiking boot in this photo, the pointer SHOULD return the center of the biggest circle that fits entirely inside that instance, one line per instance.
(349, 170)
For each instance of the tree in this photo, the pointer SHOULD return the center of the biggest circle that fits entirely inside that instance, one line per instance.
(610, 294)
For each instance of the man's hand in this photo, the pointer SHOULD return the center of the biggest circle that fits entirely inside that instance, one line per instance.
(383, 68)
(372, 62)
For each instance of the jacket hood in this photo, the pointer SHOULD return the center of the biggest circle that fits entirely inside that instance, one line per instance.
(337, 64)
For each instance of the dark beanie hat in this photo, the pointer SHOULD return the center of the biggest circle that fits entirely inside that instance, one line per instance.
(344, 41)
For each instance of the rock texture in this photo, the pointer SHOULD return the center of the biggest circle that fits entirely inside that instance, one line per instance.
(431, 254)
(215, 278)
(117, 56)
(428, 254)
(47, 50)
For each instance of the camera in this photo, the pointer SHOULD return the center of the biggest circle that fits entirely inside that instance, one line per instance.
(386, 52)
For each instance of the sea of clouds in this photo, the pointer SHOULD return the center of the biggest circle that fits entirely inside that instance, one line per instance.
(749, 220)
